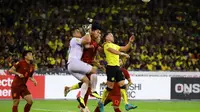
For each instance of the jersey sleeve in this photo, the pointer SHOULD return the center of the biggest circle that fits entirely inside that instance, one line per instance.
(78, 41)
(31, 71)
(118, 47)
(125, 72)
(107, 45)
(111, 45)
(17, 65)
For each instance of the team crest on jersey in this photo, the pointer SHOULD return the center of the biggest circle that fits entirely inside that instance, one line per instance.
(78, 40)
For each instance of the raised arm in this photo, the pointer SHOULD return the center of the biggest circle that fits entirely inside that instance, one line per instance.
(86, 39)
(118, 52)
(128, 46)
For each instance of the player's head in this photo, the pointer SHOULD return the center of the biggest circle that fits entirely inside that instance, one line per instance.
(98, 39)
(96, 31)
(76, 33)
(109, 37)
(28, 55)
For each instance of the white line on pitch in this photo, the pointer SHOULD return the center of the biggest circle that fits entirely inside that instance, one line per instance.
(49, 110)
(149, 110)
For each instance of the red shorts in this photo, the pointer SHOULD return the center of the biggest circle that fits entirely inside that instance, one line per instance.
(116, 100)
(19, 91)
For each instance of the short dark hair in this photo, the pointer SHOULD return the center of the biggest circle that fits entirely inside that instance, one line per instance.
(72, 31)
(25, 53)
(96, 26)
(104, 36)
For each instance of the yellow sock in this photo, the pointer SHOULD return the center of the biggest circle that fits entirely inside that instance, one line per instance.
(75, 86)
(124, 95)
(104, 95)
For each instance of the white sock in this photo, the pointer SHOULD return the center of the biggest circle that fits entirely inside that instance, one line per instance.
(93, 79)
(84, 89)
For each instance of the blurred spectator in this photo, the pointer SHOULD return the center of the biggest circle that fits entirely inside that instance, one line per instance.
(166, 31)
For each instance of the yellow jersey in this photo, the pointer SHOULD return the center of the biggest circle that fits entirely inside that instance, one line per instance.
(112, 59)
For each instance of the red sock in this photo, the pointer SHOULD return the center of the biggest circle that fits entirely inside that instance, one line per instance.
(27, 107)
(87, 95)
(15, 109)
(97, 109)
(117, 110)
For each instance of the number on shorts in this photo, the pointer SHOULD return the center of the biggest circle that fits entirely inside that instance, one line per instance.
(116, 102)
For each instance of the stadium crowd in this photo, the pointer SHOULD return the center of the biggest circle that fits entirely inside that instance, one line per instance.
(167, 31)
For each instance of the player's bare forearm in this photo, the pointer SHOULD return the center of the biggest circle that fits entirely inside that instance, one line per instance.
(129, 81)
(33, 80)
(125, 48)
(118, 52)
(114, 51)
(13, 71)
(128, 46)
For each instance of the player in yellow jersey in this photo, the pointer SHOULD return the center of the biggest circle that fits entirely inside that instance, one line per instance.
(113, 71)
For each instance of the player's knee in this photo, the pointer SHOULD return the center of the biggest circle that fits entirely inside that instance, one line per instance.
(108, 89)
(123, 87)
(16, 102)
(30, 102)
(94, 70)
(85, 80)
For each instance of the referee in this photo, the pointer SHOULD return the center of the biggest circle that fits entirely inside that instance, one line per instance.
(113, 72)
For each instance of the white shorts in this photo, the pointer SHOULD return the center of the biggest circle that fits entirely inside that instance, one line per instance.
(79, 68)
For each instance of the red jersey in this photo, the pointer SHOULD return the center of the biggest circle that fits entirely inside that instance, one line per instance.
(24, 68)
(90, 53)
(116, 89)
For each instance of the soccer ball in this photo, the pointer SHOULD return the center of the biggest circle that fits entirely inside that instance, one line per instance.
(146, 0)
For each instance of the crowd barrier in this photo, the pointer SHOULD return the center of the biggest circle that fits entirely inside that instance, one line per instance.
(146, 85)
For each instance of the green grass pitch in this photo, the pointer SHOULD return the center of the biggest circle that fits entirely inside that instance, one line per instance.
(71, 106)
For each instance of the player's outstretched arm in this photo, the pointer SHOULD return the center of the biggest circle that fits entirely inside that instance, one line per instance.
(128, 46)
(12, 70)
(86, 39)
(118, 52)
(129, 81)
(33, 80)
